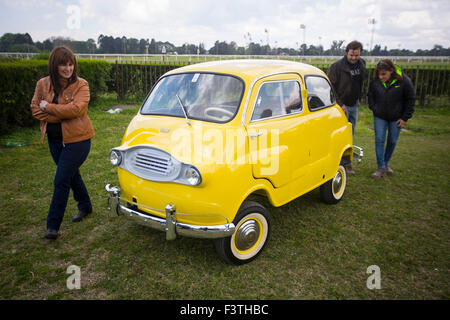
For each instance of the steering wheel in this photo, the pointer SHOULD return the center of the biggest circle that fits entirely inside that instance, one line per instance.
(226, 114)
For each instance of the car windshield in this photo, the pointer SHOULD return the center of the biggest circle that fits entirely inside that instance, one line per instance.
(204, 96)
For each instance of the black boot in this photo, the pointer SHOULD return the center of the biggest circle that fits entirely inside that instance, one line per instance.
(51, 234)
(81, 215)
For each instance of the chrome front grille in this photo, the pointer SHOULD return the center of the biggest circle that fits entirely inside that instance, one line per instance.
(152, 163)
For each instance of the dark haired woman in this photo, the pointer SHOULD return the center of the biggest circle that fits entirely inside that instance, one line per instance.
(60, 102)
(391, 99)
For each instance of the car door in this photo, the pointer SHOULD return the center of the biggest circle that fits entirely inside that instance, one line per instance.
(323, 126)
(276, 130)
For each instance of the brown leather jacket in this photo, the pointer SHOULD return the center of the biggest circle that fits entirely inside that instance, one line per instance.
(71, 111)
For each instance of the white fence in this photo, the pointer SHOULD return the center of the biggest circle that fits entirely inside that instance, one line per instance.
(200, 58)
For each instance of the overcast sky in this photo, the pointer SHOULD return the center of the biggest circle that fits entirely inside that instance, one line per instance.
(404, 24)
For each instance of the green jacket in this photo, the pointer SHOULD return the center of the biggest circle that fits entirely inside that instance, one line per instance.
(393, 100)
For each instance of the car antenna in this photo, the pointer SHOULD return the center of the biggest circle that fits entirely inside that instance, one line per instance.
(184, 110)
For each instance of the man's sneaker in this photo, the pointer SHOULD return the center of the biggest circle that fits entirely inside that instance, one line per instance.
(381, 172)
(389, 171)
(349, 169)
(80, 215)
(51, 234)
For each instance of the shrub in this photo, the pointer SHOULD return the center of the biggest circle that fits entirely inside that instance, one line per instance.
(44, 55)
(135, 79)
(96, 73)
(18, 81)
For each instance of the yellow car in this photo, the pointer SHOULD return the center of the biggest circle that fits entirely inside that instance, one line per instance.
(209, 136)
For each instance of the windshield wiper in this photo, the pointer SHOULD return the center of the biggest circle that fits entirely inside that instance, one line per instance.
(184, 109)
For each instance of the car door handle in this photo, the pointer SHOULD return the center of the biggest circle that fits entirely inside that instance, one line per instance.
(255, 135)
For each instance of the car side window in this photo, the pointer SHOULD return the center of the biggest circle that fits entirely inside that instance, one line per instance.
(277, 98)
(320, 94)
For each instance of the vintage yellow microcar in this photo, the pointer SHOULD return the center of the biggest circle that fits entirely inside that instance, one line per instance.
(210, 135)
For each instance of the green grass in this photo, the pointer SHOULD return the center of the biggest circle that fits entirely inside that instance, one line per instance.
(316, 251)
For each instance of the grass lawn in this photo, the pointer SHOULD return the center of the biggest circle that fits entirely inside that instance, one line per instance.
(316, 251)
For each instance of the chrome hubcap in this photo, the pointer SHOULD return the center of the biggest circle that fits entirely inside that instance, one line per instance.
(247, 235)
(337, 182)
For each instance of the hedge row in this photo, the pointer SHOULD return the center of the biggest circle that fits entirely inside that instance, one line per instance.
(136, 80)
(18, 81)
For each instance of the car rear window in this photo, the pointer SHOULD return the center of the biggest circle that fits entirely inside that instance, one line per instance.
(277, 98)
(320, 94)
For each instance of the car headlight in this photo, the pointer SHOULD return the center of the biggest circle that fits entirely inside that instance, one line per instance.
(192, 175)
(115, 157)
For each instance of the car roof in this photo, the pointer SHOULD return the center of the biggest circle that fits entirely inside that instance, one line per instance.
(249, 68)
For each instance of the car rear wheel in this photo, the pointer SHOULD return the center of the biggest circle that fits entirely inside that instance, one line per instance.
(252, 232)
(332, 191)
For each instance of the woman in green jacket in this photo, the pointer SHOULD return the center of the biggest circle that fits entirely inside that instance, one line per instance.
(391, 99)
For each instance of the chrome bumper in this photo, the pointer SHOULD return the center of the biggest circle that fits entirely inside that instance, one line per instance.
(169, 224)
(358, 153)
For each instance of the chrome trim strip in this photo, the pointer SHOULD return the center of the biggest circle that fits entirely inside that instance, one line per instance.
(276, 117)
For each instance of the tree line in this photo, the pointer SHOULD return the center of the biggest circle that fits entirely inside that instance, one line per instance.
(17, 42)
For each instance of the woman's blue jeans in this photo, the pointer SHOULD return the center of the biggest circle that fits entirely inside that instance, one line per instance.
(384, 149)
(68, 159)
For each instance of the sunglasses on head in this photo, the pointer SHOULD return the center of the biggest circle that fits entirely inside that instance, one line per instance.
(383, 64)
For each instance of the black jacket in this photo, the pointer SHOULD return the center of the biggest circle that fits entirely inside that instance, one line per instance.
(341, 80)
(392, 102)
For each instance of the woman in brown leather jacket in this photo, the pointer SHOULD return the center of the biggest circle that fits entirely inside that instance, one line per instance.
(60, 102)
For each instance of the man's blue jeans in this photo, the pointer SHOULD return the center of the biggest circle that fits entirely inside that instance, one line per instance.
(352, 116)
(383, 153)
(68, 159)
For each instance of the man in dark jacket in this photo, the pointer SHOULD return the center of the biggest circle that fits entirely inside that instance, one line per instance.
(346, 76)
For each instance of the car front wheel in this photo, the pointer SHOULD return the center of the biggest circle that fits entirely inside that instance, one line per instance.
(332, 191)
(252, 232)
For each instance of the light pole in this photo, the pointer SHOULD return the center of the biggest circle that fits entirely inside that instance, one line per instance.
(372, 21)
(248, 39)
(124, 42)
(320, 45)
(302, 26)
